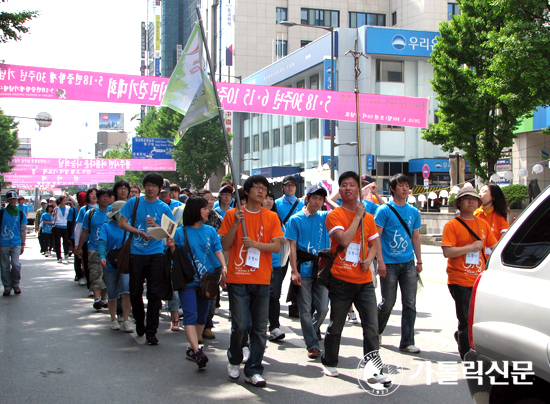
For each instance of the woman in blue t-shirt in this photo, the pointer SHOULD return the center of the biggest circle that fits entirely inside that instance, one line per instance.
(206, 252)
(46, 222)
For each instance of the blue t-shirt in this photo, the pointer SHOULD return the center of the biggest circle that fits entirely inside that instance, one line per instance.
(174, 204)
(220, 211)
(310, 233)
(11, 229)
(111, 237)
(23, 208)
(156, 209)
(397, 247)
(94, 225)
(204, 244)
(370, 207)
(46, 227)
(284, 206)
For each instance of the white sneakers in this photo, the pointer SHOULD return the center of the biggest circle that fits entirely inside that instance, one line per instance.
(255, 380)
(330, 371)
(352, 318)
(82, 282)
(410, 349)
(233, 371)
(128, 326)
(276, 335)
(115, 326)
(246, 354)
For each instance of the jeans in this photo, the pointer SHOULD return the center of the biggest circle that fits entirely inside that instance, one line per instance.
(342, 294)
(461, 296)
(275, 297)
(313, 305)
(11, 267)
(406, 276)
(146, 267)
(116, 284)
(249, 312)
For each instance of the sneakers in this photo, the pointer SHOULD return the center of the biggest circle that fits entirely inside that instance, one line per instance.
(90, 293)
(140, 329)
(200, 358)
(255, 380)
(216, 311)
(208, 334)
(352, 318)
(60, 261)
(104, 303)
(180, 313)
(66, 257)
(330, 371)
(246, 354)
(17, 290)
(276, 335)
(233, 371)
(380, 378)
(410, 349)
(128, 326)
(7, 292)
(189, 354)
(152, 339)
(97, 304)
(115, 326)
(82, 282)
(313, 353)
(175, 325)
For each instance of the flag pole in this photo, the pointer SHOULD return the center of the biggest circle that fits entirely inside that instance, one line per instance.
(234, 174)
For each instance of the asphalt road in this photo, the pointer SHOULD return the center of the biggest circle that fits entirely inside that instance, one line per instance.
(55, 348)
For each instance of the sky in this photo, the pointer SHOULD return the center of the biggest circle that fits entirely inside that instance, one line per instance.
(99, 36)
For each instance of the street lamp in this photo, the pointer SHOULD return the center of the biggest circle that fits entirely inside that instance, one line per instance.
(331, 30)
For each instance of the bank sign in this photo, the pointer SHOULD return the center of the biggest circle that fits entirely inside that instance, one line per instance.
(387, 41)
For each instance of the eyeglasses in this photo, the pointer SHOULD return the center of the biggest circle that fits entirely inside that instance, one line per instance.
(469, 198)
(263, 189)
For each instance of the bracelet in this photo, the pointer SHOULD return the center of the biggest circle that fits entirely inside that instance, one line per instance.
(224, 267)
(418, 263)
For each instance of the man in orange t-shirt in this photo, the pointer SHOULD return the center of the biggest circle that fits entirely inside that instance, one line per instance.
(248, 277)
(466, 258)
(351, 278)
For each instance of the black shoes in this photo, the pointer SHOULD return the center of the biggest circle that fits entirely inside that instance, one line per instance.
(152, 339)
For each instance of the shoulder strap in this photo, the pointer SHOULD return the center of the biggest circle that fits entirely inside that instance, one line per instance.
(90, 218)
(473, 234)
(2, 214)
(135, 210)
(188, 250)
(290, 211)
(401, 220)
(20, 218)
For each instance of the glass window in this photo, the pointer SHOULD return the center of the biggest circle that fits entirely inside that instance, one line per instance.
(314, 82)
(530, 244)
(304, 43)
(390, 128)
(452, 9)
(281, 14)
(265, 140)
(281, 48)
(323, 18)
(314, 129)
(389, 71)
(276, 137)
(300, 132)
(360, 19)
(246, 145)
(288, 135)
(301, 84)
(256, 142)
(394, 18)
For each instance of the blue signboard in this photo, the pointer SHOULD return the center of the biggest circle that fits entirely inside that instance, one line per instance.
(370, 162)
(157, 67)
(326, 160)
(440, 165)
(271, 172)
(388, 41)
(152, 148)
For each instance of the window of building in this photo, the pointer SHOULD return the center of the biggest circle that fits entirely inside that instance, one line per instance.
(301, 84)
(314, 129)
(288, 135)
(360, 19)
(314, 82)
(304, 43)
(281, 47)
(392, 128)
(246, 145)
(281, 14)
(265, 140)
(256, 139)
(323, 18)
(300, 132)
(389, 71)
(276, 137)
(394, 18)
(452, 9)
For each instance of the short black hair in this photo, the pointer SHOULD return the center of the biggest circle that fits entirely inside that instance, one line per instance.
(203, 191)
(88, 192)
(398, 179)
(192, 211)
(175, 187)
(120, 184)
(58, 201)
(154, 178)
(101, 192)
(349, 174)
(255, 179)
(49, 206)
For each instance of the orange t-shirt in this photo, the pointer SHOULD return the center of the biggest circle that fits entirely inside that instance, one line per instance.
(497, 223)
(340, 219)
(262, 226)
(456, 235)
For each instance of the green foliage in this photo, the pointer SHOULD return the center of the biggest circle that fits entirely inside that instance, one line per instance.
(451, 200)
(8, 140)
(515, 195)
(199, 153)
(11, 24)
(227, 176)
(480, 101)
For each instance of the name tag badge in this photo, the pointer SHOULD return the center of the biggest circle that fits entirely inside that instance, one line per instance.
(253, 258)
(352, 253)
(472, 258)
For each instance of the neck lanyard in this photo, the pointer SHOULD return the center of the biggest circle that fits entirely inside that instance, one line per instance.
(260, 234)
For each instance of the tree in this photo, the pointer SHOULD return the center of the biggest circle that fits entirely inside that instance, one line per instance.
(199, 153)
(8, 140)
(11, 24)
(478, 108)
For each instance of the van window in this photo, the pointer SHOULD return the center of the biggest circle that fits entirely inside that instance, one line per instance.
(530, 244)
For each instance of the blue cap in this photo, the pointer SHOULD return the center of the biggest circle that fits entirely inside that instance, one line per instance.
(318, 189)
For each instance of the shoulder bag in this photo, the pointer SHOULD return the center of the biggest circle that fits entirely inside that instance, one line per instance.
(325, 259)
(474, 235)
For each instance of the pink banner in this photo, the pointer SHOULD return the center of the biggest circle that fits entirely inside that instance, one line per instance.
(40, 82)
(96, 164)
(59, 179)
(24, 170)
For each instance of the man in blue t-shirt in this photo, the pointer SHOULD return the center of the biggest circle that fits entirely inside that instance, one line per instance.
(164, 196)
(396, 263)
(147, 254)
(22, 206)
(225, 200)
(13, 233)
(91, 228)
(307, 234)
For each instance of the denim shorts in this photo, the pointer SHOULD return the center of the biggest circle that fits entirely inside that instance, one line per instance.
(117, 284)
